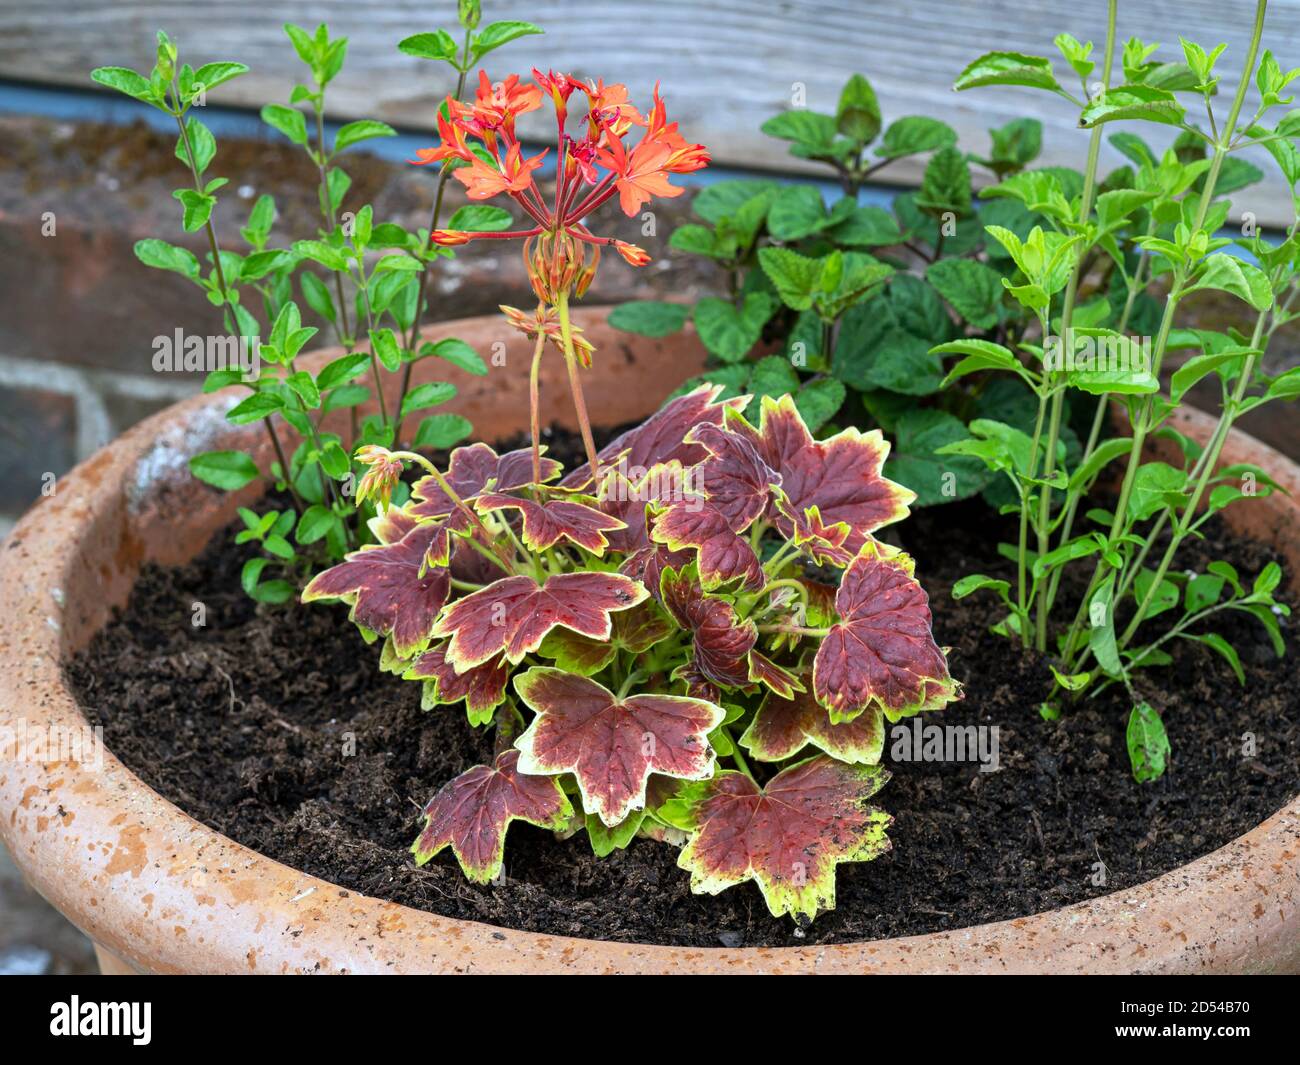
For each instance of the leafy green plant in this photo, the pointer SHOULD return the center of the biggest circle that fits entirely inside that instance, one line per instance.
(366, 279)
(1156, 220)
(637, 639)
(841, 305)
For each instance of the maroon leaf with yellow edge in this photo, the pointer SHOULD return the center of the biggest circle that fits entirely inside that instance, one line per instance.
(545, 524)
(881, 649)
(763, 670)
(722, 642)
(824, 544)
(840, 476)
(482, 688)
(662, 436)
(648, 565)
(784, 726)
(472, 471)
(789, 836)
(514, 614)
(626, 497)
(472, 812)
(392, 588)
(612, 744)
(734, 478)
(723, 555)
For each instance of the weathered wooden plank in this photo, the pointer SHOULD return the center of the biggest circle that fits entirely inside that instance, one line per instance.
(725, 66)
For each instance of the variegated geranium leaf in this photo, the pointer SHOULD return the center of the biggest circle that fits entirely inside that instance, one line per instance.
(881, 649)
(611, 744)
(787, 836)
(472, 812)
(513, 615)
(394, 588)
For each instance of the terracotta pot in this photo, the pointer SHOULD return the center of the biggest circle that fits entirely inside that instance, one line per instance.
(158, 892)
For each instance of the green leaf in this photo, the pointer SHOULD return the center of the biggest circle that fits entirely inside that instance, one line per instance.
(1203, 590)
(334, 461)
(384, 344)
(342, 370)
(1152, 485)
(495, 34)
(725, 199)
(1229, 274)
(772, 376)
(201, 143)
(945, 187)
(649, 318)
(481, 218)
(1224, 648)
(802, 127)
(1226, 361)
(1165, 598)
(356, 132)
(198, 208)
(979, 355)
(1148, 743)
(857, 115)
(125, 81)
(897, 362)
(441, 431)
(795, 276)
(1008, 68)
(289, 121)
(728, 333)
(315, 522)
(317, 295)
(973, 289)
(819, 401)
(163, 256)
(436, 45)
(430, 394)
(227, 470)
(1133, 101)
(210, 75)
(934, 478)
(605, 841)
(866, 227)
(974, 582)
(254, 408)
(459, 354)
(797, 212)
(914, 134)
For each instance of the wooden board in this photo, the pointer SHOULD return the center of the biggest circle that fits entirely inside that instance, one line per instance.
(725, 65)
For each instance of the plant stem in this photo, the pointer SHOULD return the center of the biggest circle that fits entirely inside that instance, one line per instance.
(1098, 419)
(1211, 456)
(535, 399)
(1067, 321)
(1142, 423)
(435, 217)
(220, 273)
(575, 385)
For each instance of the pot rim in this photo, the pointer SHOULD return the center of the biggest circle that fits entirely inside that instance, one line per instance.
(152, 885)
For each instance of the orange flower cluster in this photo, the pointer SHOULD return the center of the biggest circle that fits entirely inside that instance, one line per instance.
(556, 247)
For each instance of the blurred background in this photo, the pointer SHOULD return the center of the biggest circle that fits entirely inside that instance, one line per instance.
(85, 173)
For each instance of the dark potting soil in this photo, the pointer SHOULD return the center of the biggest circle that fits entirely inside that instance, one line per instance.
(244, 724)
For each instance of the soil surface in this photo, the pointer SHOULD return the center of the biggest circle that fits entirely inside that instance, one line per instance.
(248, 724)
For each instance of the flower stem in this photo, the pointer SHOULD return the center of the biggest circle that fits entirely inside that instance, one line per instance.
(575, 385)
(535, 399)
